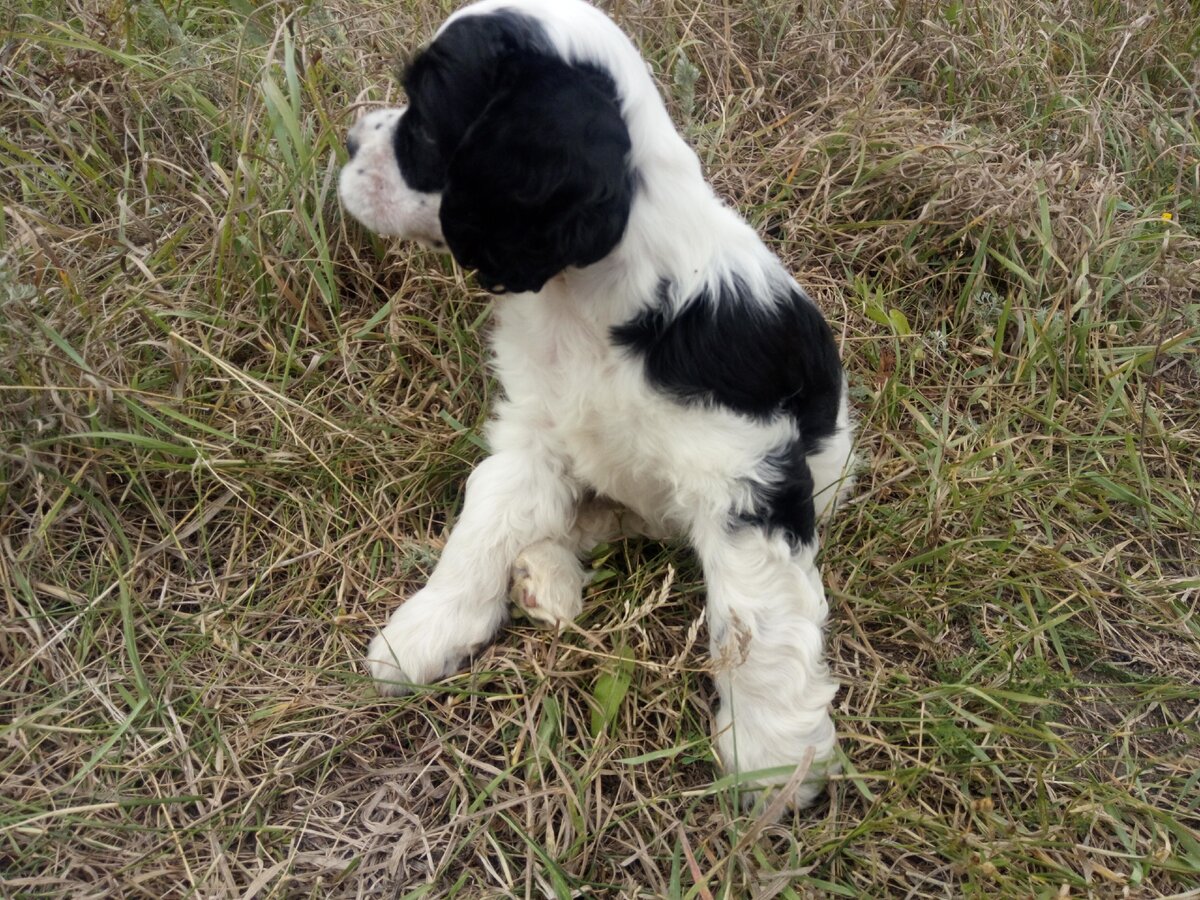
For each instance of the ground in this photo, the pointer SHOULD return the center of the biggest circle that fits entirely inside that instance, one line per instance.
(234, 429)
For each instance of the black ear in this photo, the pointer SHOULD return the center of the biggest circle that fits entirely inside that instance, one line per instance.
(451, 82)
(541, 180)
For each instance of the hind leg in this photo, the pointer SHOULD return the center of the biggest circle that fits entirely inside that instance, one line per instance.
(548, 579)
(547, 582)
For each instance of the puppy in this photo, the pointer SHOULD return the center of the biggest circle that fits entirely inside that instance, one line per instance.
(654, 355)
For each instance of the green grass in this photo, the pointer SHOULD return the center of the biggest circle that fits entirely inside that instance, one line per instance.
(234, 429)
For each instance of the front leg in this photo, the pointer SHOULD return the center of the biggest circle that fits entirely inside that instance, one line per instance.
(513, 499)
(766, 609)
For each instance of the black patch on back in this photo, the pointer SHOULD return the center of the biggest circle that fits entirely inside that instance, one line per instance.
(757, 358)
(530, 151)
(761, 359)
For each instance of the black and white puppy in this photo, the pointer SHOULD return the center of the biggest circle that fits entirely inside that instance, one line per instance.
(652, 351)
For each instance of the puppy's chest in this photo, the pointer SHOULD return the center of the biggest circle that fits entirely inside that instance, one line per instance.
(565, 376)
(565, 365)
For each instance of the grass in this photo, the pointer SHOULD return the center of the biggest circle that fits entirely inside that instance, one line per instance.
(235, 429)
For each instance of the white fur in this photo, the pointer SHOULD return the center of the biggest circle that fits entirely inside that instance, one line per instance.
(373, 191)
(579, 417)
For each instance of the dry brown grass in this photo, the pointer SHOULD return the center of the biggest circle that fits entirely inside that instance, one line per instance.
(235, 429)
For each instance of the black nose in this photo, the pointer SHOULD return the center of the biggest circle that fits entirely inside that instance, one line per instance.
(351, 146)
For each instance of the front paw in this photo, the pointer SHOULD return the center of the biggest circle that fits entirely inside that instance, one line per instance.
(770, 739)
(427, 638)
(384, 656)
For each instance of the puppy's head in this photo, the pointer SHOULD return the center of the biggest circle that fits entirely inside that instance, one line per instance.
(513, 157)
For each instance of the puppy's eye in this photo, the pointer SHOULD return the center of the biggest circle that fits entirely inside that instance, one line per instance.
(418, 131)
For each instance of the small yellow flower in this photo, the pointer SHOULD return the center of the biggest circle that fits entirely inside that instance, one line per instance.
(1167, 217)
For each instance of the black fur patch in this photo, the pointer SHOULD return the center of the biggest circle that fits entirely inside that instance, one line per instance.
(761, 359)
(530, 152)
(758, 358)
(786, 503)
(450, 82)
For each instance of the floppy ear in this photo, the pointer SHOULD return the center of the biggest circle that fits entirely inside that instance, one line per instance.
(541, 180)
